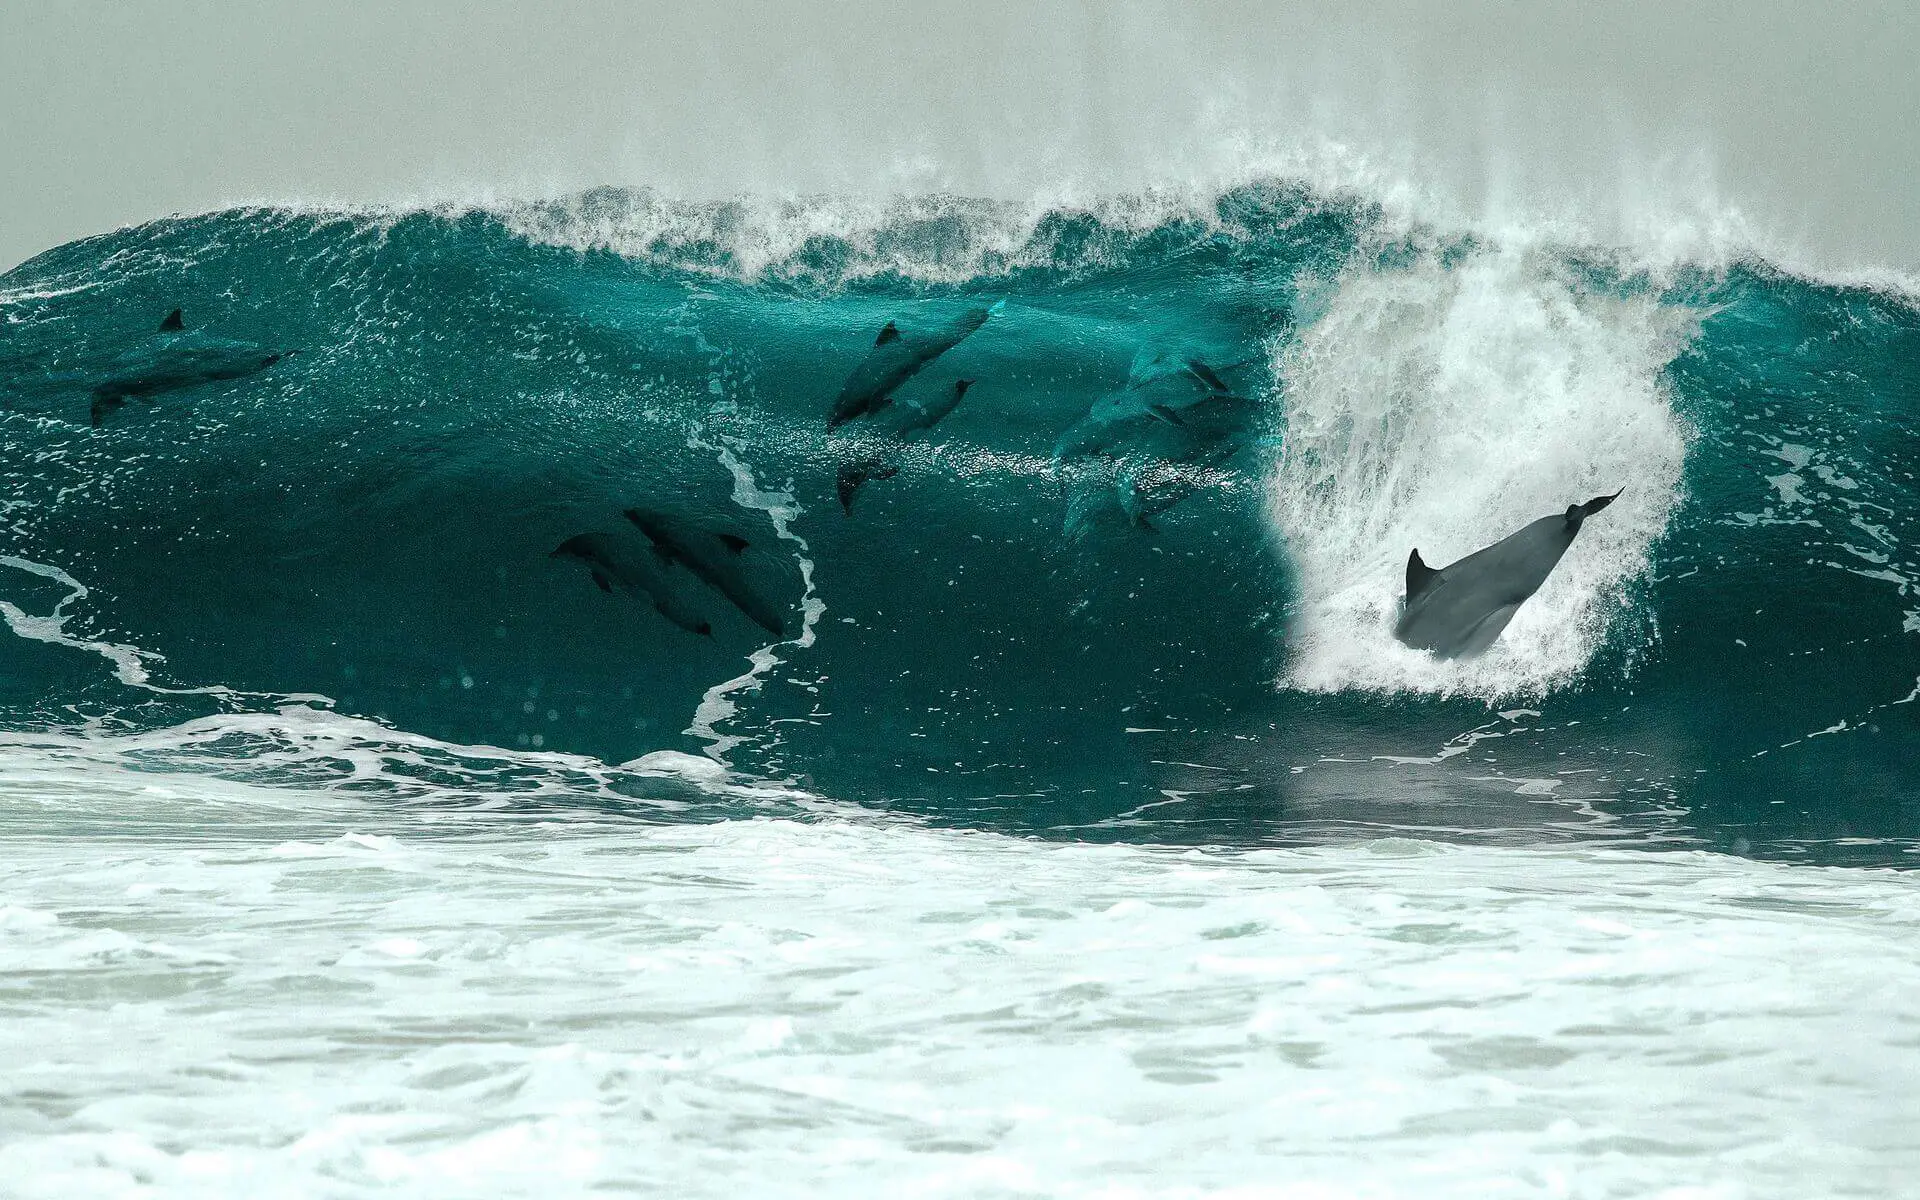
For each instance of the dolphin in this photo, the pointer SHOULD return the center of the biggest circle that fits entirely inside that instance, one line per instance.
(1160, 395)
(714, 557)
(613, 565)
(1151, 486)
(1458, 610)
(175, 359)
(897, 357)
(899, 423)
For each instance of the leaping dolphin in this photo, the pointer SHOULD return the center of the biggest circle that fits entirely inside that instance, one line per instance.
(175, 359)
(714, 557)
(900, 423)
(613, 565)
(1458, 610)
(896, 357)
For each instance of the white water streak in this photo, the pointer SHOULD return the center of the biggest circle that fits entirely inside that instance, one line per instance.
(717, 704)
(129, 662)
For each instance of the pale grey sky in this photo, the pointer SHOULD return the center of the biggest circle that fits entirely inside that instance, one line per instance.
(1639, 114)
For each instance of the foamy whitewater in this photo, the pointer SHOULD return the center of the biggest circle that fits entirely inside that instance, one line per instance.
(1083, 833)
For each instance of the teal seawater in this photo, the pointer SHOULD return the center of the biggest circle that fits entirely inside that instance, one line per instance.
(984, 639)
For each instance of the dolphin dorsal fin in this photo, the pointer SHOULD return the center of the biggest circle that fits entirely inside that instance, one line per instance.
(174, 323)
(733, 542)
(960, 387)
(890, 334)
(1419, 575)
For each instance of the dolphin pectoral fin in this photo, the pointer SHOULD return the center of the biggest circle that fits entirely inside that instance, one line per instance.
(174, 323)
(1161, 412)
(888, 335)
(732, 541)
(1419, 575)
(601, 581)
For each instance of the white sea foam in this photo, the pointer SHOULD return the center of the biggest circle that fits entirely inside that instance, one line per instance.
(1443, 406)
(221, 990)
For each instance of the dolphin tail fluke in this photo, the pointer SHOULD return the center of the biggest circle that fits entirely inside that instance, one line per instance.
(847, 486)
(174, 322)
(1577, 513)
(1598, 502)
(854, 475)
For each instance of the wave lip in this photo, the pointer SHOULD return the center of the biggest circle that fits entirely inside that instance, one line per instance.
(1442, 407)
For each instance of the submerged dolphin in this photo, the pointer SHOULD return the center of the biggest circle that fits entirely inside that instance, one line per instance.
(900, 423)
(614, 565)
(1458, 610)
(177, 358)
(897, 357)
(714, 557)
(1161, 395)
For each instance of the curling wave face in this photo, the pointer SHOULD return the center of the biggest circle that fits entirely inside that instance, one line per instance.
(1126, 554)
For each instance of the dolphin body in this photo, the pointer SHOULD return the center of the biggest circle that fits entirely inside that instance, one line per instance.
(1161, 394)
(897, 357)
(899, 423)
(177, 358)
(714, 557)
(1154, 442)
(613, 565)
(1458, 610)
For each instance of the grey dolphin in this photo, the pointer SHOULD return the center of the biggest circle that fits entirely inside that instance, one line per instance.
(714, 557)
(899, 423)
(174, 359)
(1458, 610)
(1159, 398)
(896, 357)
(614, 565)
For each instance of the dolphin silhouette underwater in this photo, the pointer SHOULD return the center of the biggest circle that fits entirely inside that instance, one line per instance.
(1458, 610)
(714, 557)
(612, 565)
(899, 424)
(896, 357)
(1143, 449)
(1162, 392)
(177, 358)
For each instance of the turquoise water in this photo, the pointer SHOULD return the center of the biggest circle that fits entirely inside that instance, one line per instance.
(1083, 825)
